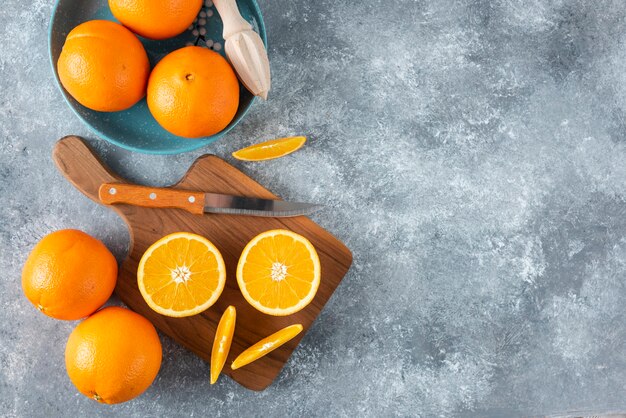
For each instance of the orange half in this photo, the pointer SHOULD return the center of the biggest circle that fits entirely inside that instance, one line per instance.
(279, 272)
(269, 150)
(182, 274)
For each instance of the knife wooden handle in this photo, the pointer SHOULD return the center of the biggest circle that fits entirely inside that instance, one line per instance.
(151, 197)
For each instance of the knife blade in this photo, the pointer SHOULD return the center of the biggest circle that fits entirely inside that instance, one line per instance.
(239, 205)
(200, 202)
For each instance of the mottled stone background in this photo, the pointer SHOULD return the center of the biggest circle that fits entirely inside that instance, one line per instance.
(470, 153)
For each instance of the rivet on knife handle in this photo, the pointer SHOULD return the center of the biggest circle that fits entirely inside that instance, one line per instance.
(151, 197)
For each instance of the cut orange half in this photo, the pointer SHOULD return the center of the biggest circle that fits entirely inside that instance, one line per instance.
(279, 272)
(266, 345)
(269, 150)
(182, 274)
(221, 343)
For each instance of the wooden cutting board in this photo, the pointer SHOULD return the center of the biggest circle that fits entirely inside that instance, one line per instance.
(229, 233)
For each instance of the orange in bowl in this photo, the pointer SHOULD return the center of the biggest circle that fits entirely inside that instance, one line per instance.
(103, 66)
(193, 92)
(156, 19)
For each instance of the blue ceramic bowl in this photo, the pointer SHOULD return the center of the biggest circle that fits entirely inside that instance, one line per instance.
(135, 129)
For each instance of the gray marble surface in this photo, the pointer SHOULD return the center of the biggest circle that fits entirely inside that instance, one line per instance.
(470, 153)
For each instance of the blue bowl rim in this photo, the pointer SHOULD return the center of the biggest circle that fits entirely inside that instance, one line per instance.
(194, 144)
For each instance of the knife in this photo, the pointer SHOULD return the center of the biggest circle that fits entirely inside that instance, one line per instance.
(200, 202)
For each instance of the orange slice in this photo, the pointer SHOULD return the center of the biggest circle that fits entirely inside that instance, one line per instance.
(266, 345)
(182, 274)
(221, 343)
(279, 272)
(269, 150)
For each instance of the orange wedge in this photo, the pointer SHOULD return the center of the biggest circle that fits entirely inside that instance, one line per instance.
(266, 345)
(182, 274)
(279, 272)
(269, 150)
(221, 343)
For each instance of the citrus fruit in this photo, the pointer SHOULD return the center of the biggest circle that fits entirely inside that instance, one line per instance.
(156, 19)
(113, 356)
(269, 150)
(266, 345)
(182, 274)
(69, 274)
(279, 272)
(193, 92)
(221, 343)
(103, 66)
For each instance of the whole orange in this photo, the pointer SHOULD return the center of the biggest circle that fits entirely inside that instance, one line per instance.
(156, 19)
(113, 356)
(69, 274)
(193, 92)
(104, 66)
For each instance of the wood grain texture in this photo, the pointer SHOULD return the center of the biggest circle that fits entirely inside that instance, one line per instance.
(230, 233)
